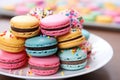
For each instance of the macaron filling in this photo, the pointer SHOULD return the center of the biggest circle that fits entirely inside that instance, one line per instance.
(24, 30)
(74, 62)
(71, 39)
(41, 48)
(54, 29)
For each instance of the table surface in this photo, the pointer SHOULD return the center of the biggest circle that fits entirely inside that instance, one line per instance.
(110, 71)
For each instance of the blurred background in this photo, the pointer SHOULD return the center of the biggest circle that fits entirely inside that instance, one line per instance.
(96, 13)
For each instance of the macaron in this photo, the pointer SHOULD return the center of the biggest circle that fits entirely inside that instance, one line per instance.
(116, 19)
(104, 19)
(11, 43)
(9, 7)
(93, 7)
(71, 39)
(24, 26)
(86, 34)
(12, 61)
(89, 18)
(21, 9)
(109, 6)
(111, 13)
(40, 13)
(44, 65)
(72, 59)
(55, 25)
(41, 46)
(84, 10)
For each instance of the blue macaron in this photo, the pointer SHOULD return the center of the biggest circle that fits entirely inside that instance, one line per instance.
(86, 34)
(41, 46)
(73, 59)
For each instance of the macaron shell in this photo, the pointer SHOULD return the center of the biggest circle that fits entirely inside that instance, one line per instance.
(41, 53)
(11, 49)
(25, 34)
(41, 41)
(11, 43)
(72, 34)
(45, 62)
(13, 66)
(12, 61)
(74, 67)
(7, 56)
(72, 55)
(86, 34)
(69, 39)
(24, 21)
(45, 72)
(49, 61)
(55, 21)
(24, 26)
(7, 38)
(59, 23)
(71, 44)
(56, 33)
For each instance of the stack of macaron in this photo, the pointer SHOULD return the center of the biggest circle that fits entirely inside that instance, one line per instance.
(72, 54)
(12, 53)
(40, 48)
(51, 42)
(43, 49)
(71, 40)
(12, 42)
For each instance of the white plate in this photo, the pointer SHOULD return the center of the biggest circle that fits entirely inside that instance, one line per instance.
(102, 52)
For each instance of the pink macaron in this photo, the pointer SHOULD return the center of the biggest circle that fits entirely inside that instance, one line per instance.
(12, 61)
(55, 25)
(117, 19)
(44, 65)
(21, 10)
(110, 13)
(93, 7)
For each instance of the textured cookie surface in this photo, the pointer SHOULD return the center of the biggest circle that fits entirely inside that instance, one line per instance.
(71, 39)
(12, 61)
(73, 59)
(55, 25)
(44, 65)
(24, 21)
(41, 45)
(11, 43)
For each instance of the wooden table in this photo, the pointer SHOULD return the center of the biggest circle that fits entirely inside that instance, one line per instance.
(110, 71)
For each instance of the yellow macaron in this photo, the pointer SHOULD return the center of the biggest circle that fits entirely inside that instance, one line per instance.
(24, 26)
(103, 19)
(72, 39)
(11, 43)
(109, 6)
